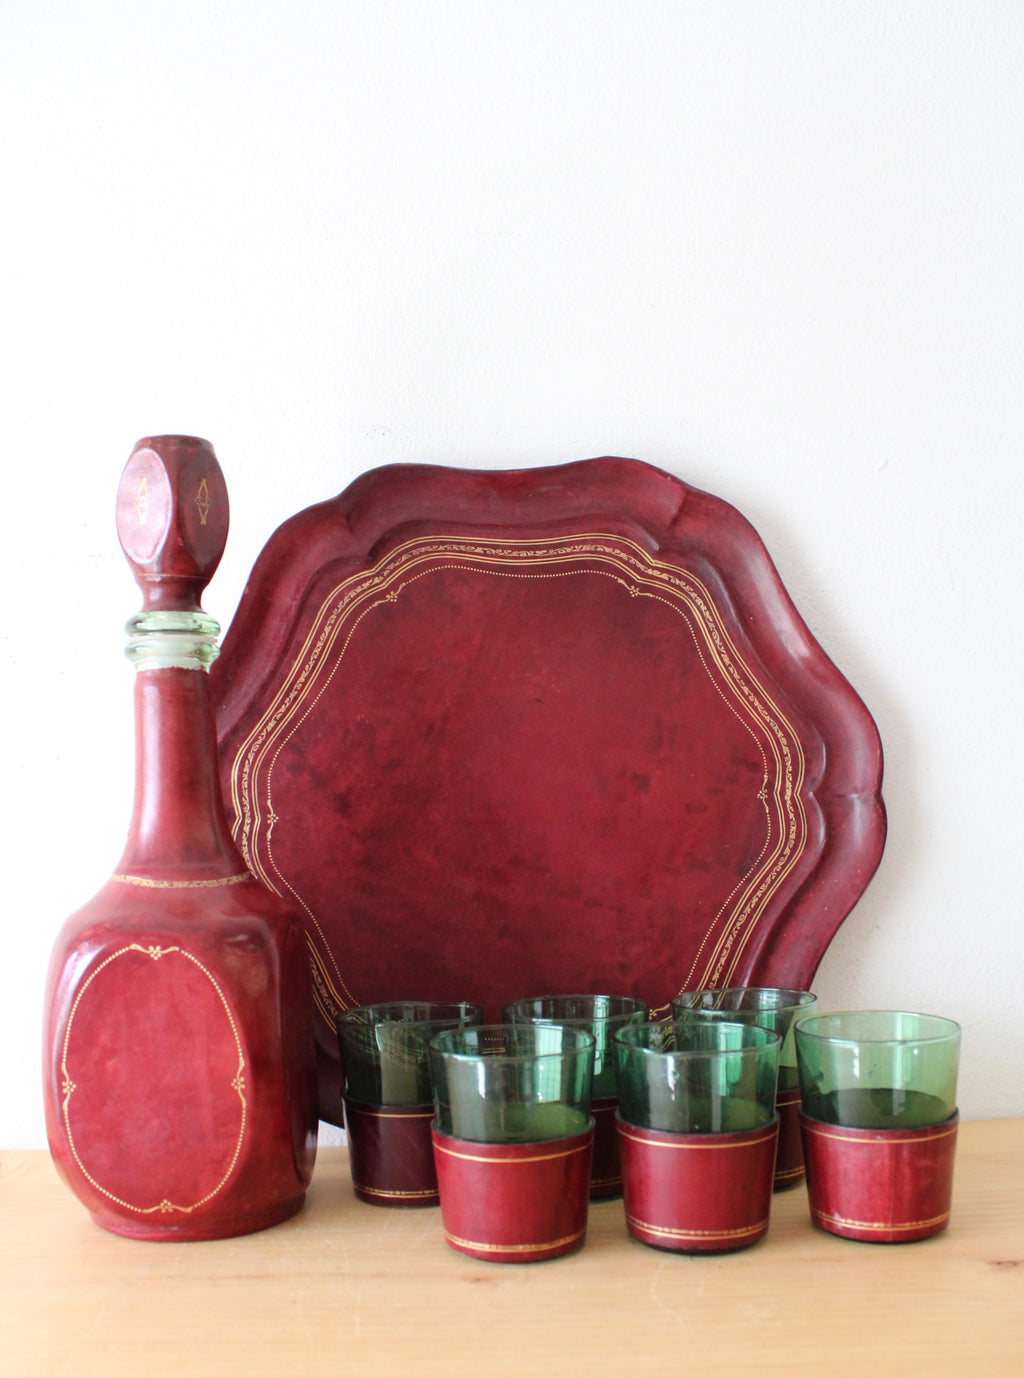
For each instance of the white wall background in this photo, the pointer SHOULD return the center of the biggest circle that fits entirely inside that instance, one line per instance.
(775, 249)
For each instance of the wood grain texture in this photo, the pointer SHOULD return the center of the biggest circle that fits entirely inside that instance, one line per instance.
(351, 1288)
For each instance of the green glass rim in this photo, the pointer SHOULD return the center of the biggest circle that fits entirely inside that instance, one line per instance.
(772, 998)
(492, 1043)
(853, 1028)
(596, 1009)
(750, 1038)
(396, 1012)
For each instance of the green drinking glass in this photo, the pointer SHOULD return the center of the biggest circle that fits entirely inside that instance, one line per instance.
(388, 1097)
(772, 1007)
(878, 1069)
(383, 1047)
(512, 1083)
(697, 1076)
(600, 1015)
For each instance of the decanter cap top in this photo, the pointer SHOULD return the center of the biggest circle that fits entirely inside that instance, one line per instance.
(172, 519)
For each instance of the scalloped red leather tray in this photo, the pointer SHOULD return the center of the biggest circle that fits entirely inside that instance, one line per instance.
(549, 730)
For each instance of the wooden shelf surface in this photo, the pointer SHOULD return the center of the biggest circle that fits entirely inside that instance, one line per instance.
(350, 1288)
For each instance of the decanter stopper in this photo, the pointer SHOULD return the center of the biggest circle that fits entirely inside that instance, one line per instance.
(172, 519)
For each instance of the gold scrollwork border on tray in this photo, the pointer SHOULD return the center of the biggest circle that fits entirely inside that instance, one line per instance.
(343, 611)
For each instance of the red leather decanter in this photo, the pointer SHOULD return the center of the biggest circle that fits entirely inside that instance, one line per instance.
(179, 1069)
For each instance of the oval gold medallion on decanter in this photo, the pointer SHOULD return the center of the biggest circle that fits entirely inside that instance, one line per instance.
(179, 1068)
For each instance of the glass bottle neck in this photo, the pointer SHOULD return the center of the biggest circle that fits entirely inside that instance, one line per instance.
(174, 639)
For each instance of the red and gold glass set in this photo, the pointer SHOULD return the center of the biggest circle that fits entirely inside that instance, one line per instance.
(472, 735)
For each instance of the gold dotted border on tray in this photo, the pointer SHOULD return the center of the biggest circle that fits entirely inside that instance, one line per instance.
(343, 610)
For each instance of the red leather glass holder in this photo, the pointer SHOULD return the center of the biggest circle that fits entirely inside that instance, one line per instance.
(390, 1153)
(789, 1161)
(606, 1171)
(887, 1186)
(514, 1203)
(697, 1193)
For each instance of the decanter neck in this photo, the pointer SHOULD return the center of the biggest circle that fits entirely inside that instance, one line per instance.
(179, 826)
